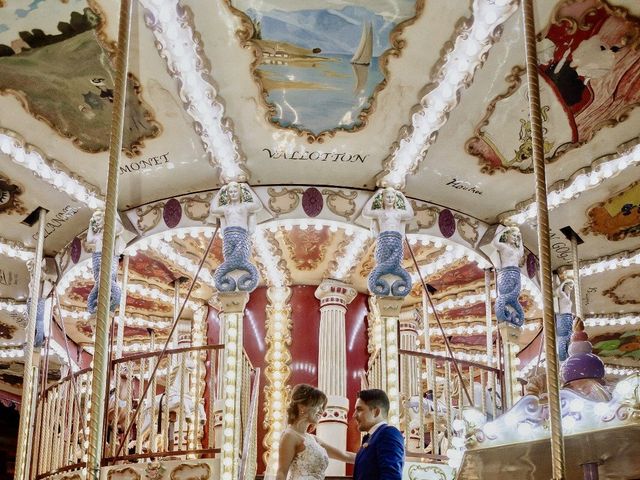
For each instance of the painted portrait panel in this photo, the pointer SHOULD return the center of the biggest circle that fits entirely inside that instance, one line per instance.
(321, 62)
(56, 60)
(589, 63)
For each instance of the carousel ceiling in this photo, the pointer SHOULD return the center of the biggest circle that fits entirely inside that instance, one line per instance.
(266, 91)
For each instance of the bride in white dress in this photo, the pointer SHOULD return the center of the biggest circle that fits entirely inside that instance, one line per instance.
(303, 456)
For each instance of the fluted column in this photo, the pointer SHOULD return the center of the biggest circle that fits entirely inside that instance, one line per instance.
(231, 316)
(334, 297)
(389, 315)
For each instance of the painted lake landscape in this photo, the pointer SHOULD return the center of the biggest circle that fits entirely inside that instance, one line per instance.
(320, 62)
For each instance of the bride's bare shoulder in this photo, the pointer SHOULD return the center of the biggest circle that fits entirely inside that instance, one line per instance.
(291, 437)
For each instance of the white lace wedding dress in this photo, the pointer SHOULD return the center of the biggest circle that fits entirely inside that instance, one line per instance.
(311, 463)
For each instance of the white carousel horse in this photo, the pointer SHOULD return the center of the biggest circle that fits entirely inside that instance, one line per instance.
(175, 402)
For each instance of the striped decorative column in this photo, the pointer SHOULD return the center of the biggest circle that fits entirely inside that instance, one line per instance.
(334, 297)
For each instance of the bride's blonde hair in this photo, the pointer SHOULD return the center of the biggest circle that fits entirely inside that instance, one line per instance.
(304, 395)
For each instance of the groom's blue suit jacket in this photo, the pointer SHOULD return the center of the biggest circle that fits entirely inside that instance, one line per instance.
(381, 457)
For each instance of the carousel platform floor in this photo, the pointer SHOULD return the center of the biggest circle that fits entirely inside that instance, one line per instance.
(617, 450)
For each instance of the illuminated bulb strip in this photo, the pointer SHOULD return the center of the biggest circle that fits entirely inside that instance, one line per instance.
(182, 50)
(580, 183)
(27, 156)
(278, 370)
(599, 266)
(13, 307)
(352, 254)
(275, 276)
(390, 349)
(12, 353)
(160, 247)
(15, 250)
(532, 289)
(451, 256)
(469, 357)
(438, 242)
(230, 413)
(609, 320)
(621, 371)
(477, 329)
(129, 321)
(469, 51)
(83, 271)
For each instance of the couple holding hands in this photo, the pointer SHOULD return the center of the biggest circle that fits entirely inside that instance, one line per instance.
(303, 456)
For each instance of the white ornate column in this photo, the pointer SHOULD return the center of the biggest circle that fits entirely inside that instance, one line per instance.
(334, 297)
(389, 315)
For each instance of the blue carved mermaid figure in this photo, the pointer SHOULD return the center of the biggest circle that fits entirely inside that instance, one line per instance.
(564, 319)
(94, 239)
(236, 205)
(508, 243)
(389, 212)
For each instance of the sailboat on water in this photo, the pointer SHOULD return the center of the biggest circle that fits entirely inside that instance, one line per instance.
(363, 53)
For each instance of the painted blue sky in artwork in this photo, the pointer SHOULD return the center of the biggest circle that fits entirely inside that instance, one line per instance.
(335, 31)
(30, 14)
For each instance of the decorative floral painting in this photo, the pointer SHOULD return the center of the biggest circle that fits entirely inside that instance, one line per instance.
(55, 59)
(589, 63)
(321, 62)
(625, 344)
(618, 217)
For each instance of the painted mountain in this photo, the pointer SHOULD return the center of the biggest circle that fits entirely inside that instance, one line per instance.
(320, 67)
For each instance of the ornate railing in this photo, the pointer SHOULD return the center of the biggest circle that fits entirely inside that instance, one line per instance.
(61, 426)
(179, 418)
(173, 420)
(434, 396)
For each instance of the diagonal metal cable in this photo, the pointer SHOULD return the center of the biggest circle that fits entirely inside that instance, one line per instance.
(444, 335)
(166, 345)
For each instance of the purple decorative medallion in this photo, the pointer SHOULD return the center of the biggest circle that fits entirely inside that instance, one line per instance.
(312, 202)
(447, 223)
(76, 250)
(172, 213)
(532, 265)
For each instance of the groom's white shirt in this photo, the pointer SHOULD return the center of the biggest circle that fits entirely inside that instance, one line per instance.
(376, 426)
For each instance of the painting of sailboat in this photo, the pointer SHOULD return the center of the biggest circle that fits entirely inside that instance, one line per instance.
(321, 62)
(363, 53)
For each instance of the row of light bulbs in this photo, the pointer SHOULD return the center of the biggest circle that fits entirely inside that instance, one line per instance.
(28, 157)
(581, 183)
(177, 42)
(469, 51)
(478, 329)
(15, 250)
(620, 261)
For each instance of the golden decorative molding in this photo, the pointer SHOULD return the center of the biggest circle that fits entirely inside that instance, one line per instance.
(285, 201)
(341, 203)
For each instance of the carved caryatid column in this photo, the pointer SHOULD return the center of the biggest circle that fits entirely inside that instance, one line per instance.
(509, 313)
(334, 297)
(389, 212)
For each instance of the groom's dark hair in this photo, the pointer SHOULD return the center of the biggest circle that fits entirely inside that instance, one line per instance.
(375, 398)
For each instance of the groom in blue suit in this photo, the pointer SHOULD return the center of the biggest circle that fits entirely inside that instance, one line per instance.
(381, 456)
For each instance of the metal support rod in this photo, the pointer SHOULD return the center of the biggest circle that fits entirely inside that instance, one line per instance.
(22, 453)
(590, 471)
(544, 247)
(437, 317)
(98, 384)
(577, 289)
(133, 420)
(122, 310)
(487, 311)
